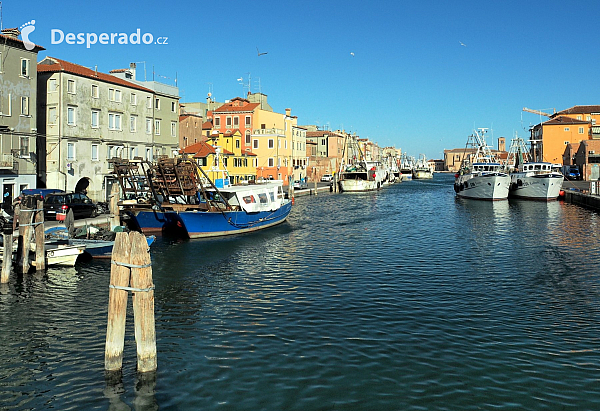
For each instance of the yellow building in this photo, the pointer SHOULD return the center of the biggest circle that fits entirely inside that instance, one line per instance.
(272, 144)
(239, 165)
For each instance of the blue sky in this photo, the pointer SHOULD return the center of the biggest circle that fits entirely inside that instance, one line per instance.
(410, 83)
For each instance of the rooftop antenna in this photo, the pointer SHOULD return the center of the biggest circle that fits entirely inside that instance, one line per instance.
(1, 26)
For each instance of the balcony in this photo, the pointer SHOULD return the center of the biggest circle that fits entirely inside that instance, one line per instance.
(268, 131)
(6, 161)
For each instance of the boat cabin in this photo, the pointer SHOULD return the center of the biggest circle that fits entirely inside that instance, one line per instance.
(487, 168)
(539, 168)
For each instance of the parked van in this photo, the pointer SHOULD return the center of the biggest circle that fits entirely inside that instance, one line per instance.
(571, 172)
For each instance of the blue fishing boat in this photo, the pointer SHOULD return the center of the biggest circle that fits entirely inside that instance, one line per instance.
(176, 195)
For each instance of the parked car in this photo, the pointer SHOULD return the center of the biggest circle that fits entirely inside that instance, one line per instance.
(327, 177)
(299, 185)
(81, 205)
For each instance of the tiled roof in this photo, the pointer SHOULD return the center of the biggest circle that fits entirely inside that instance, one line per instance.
(578, 110)
(202, 149)
(321, 133)
(207, 125)
(19, 43)
(564, 120)
(231, 107)
(54, 65)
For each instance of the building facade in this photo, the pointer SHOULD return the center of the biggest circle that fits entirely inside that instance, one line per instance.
(551, 137)
(88, 118)
(18, 120)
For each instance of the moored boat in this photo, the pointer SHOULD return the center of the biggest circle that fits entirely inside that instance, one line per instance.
(177, 195)
(536, 181)
(362, 176)
(532, 180)
(480, 176)
(421, 170)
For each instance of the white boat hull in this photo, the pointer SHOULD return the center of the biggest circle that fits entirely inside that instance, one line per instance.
(359, 185)
(492, 186)
(63, 255)
(545, 187)
(422, 175)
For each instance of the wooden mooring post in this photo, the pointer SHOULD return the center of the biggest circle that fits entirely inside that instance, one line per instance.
(28, 204)
(40, 248)
(130, 264)
(7, 236)
(115, 219)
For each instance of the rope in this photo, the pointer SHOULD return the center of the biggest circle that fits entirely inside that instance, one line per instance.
(131, 265)
(23, 225)
(132, 289)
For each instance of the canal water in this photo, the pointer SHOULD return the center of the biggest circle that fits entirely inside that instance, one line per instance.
(401, 299)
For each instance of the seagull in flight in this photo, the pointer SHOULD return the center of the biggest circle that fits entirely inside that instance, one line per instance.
(462, 44)
(259, 53)
(352, 54)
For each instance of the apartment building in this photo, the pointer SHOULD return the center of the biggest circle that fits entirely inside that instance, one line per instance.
(88, 118)
(18, 121)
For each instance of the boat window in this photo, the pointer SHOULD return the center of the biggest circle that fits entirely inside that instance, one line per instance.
(272, 195)
(263, 198)
(538, 166)
(486, 168)
(249, 199)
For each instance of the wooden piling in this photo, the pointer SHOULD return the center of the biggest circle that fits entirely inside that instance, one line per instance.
(131, 265)
(316, 190)
(117, 304)
(115, 219)
(143, 302)
(40, 248)
(25, 229)
(6, 257)
(70, 222)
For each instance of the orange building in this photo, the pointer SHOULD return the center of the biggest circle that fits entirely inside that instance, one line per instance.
(551, 137)
(237, 114)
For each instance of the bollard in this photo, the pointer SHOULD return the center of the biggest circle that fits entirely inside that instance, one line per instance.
(315, 187)
(131, 264)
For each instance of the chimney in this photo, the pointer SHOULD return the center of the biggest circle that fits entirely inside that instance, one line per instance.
(13, 33)
(132, 69)
(288, 112)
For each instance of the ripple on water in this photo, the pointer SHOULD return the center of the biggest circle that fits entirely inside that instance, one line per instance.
(406, 298)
